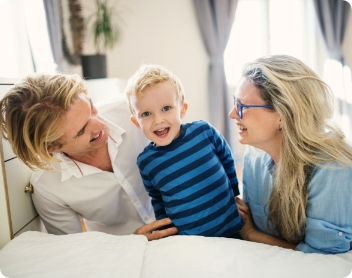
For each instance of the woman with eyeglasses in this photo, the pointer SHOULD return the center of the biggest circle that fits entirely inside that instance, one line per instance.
(297, 181)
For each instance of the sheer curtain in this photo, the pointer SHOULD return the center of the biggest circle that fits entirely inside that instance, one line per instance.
(25, 47)
(215, 19)
(37, 33)
(15, 54)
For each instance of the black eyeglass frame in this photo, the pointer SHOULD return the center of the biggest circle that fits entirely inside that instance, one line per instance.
(239, 111)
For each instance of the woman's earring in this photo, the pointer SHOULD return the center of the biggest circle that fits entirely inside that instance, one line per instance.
(279, 128)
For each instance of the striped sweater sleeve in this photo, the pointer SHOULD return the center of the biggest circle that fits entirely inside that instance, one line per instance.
(155, 195)
(224, 153)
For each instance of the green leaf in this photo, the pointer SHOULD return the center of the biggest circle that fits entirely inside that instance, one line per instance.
(103, 26)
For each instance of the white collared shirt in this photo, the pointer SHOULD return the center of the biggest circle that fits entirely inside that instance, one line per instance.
(114, 203)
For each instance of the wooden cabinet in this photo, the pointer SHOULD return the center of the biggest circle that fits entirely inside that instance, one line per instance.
(17, 212)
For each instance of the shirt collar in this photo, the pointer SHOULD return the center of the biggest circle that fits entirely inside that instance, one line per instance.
(69, 167)
(269, 163)
(115, 131)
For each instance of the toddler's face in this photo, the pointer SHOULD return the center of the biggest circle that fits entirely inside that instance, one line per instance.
(158, 113)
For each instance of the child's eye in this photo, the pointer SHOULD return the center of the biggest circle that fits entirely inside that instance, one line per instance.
(145, 114)
(166, 108)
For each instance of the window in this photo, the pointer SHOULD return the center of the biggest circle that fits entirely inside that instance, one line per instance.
(338, 77)
(25, 44)
(15, 53)
(38, 36)
(266, 27)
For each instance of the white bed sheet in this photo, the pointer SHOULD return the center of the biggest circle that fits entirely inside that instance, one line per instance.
(186, 256)
(94, 254)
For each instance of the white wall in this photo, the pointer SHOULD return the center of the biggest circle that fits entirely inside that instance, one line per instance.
(165, 33)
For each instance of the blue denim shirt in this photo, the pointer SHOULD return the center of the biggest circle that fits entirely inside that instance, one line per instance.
(329, 208)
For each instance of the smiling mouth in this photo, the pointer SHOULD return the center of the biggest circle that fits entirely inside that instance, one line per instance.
(241, 127)
(162, 132)
(96, 137)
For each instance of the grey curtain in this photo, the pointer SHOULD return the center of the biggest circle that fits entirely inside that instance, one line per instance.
(215, 19)
(52, 12)
(332, 18)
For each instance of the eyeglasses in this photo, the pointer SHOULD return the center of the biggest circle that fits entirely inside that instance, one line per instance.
(239, 107)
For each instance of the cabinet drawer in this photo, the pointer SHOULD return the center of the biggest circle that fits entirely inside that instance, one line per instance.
(8, 153)
(21, 206)
(35, 225)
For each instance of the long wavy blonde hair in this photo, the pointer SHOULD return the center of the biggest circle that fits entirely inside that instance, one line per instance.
(310, 138)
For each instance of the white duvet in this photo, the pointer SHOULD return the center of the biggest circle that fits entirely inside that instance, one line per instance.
(94, 254)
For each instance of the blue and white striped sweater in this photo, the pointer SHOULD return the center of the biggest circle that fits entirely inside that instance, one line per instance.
(193, 181)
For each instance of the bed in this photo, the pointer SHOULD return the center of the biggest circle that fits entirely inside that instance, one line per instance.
(36, 254)
(95, 254)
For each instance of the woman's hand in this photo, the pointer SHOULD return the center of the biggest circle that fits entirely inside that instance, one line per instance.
(246, 215)
(151, 230)
(249, 233)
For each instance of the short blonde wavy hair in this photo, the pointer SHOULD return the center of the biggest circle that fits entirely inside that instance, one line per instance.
(151, 75)
(30, 112)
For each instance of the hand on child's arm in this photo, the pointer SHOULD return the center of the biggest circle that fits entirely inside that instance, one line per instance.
(249, 233)
(246, 215)
(151, 230)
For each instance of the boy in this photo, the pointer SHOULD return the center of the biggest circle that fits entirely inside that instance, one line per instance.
(187, 169)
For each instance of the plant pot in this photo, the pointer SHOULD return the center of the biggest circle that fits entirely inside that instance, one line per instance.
(93, 66)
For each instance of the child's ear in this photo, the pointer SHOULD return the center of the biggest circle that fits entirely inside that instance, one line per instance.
(184, 109)
(134, 120)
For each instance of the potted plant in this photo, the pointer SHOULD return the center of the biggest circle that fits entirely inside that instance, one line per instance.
(102, 25)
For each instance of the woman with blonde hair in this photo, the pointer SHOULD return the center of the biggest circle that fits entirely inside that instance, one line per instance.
(297, 190)
(84, 161)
